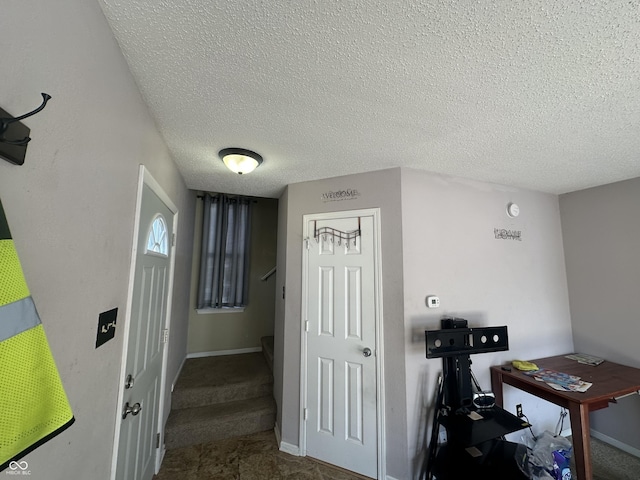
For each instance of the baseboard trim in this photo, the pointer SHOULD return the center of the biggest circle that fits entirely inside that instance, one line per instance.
(609, 440)
(616, 443)
(218, 353)
(294, 450)
(284, 446)
(290, 449)
(175, 379)
(160, 458)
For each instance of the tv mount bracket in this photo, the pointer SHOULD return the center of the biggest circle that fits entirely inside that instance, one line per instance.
(451, 342)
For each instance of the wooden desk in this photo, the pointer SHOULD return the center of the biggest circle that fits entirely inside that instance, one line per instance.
(610, 380)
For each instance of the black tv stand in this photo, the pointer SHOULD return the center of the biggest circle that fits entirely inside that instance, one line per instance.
(475, 446)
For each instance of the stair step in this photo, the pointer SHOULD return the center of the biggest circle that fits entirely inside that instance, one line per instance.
(211, 395)
(192, 426)
(221, 379)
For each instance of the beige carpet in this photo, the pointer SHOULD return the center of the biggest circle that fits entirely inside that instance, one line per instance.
(610, 463)
(256, 457)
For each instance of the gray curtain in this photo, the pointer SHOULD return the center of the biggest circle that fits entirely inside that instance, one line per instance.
(224, 260)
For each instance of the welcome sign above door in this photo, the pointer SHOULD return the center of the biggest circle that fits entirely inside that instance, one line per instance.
(340, 195)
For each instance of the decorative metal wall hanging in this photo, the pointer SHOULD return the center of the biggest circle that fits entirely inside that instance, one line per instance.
(14, 135)
(332, 234)
(504, 234)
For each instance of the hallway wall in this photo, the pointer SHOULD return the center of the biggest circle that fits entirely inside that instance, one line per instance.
(71, 209)
(374, 189)
(215, 332)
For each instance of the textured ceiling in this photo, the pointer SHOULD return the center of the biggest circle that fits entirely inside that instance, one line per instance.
(540, 94)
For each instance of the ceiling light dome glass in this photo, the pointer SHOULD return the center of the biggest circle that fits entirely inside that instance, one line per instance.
(239, 160)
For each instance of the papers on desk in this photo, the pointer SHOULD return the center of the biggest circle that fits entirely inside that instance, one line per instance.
(560, 381)
(586, 359)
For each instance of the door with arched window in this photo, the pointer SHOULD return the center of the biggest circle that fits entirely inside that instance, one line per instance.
(140, 432)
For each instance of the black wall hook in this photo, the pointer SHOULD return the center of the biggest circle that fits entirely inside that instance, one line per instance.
(14, 135)
(5, 122)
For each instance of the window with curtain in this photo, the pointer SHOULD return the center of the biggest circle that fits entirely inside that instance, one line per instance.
(224, 259)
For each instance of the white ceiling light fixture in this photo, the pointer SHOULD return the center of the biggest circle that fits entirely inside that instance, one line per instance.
(240, 160)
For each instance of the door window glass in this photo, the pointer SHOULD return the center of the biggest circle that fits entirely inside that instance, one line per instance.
(157, 241)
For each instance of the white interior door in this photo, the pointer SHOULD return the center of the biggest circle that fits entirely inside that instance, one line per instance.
(341, 396)
(139, 430)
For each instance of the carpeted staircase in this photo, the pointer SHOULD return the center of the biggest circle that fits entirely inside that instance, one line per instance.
(222, 397)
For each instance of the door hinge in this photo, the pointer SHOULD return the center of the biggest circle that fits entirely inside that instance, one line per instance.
(306, 325)
(173, 239)
(305, 413)
(165, 335)
(307, 244)
(158, 440)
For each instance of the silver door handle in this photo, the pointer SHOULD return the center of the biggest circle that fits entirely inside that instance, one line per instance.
(366, 352)
(131, 409)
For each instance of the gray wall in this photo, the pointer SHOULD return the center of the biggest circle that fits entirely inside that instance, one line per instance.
(601, 229)
(71, 209)
(450, 250)
(377, 189)
(279, 320)
(233, 331)
(437, 238)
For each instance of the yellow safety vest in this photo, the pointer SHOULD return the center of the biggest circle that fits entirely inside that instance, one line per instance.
(33, 405)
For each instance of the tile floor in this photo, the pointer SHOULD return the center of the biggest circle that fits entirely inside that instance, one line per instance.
(251, 457)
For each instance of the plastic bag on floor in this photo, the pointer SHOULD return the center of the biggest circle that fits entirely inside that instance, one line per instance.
(542, 475)
(550, 457)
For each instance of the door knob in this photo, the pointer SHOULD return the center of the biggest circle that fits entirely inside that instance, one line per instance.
(366, 352)
(131, 409)
(128, 383)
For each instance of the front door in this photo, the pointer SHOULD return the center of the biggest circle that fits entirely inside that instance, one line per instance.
(341, 313)
(139, 430)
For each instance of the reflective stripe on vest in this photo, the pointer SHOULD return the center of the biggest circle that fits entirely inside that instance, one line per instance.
(17, 317)
(33, 405)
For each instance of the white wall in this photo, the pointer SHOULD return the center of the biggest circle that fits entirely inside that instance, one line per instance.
(377, 189)
(71, 209)
(601, 228)
(450, 250)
